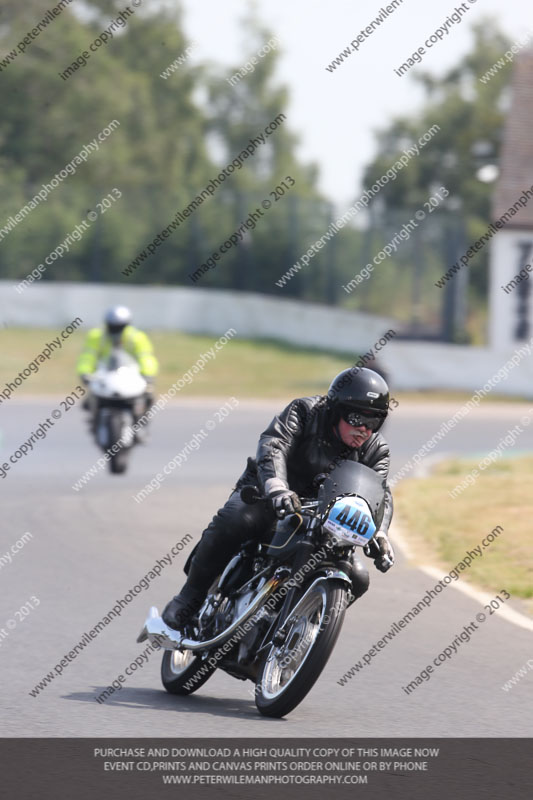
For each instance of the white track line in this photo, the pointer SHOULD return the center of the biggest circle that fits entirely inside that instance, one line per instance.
(505, 612)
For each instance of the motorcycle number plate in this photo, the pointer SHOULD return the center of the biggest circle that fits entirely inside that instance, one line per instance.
(350, 519)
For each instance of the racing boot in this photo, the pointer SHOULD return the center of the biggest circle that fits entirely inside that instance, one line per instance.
(181, 609)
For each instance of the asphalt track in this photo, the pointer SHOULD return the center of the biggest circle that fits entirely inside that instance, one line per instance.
(89, 548)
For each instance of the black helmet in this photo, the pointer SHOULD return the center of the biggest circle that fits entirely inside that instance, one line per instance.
(359, 395)
(117, 318)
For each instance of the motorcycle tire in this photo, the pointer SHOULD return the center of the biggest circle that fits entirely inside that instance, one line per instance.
(118, 462)
(278, 692)
(183, 673)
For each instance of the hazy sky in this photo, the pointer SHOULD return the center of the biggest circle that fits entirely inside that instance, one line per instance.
(335, 114)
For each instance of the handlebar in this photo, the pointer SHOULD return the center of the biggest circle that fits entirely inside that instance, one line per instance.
(251, 495)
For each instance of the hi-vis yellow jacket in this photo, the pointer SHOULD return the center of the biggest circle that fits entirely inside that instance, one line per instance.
(135, 342)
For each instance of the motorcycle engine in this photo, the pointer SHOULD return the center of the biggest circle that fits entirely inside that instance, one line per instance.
(242, 602)
(246, 652)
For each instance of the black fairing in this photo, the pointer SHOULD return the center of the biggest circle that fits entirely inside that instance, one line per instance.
(350, 477)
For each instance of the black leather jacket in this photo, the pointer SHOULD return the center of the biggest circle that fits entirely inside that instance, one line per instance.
(300, 443)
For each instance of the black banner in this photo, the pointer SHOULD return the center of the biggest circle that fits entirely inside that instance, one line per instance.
(414, 769)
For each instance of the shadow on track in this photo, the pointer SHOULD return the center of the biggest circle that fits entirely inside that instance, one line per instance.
(129, 697)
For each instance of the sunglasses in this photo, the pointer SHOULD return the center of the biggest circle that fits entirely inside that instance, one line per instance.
(357, 419)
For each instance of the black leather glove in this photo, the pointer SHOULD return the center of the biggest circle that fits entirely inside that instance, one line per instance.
(285, 502)
(380, 549)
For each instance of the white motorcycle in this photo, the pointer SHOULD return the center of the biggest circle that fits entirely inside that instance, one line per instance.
(117, 399)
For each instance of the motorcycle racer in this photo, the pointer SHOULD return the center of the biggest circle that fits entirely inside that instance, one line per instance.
(118, 332)
(309, 437)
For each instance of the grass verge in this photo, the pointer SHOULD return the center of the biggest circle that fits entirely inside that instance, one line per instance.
(244, 368)
(441, 529)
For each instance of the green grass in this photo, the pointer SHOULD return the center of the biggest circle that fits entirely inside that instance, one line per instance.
(244, 368)
(442, 528)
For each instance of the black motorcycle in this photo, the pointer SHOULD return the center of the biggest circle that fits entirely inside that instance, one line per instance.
(275, 613)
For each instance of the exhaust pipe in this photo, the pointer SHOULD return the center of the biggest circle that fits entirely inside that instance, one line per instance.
(156, 631)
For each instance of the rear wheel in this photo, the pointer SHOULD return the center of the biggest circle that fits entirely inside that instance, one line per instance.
(183, 672)
(289, 671)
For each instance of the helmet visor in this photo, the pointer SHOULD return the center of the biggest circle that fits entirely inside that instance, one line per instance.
(116, 328)
(361, 419)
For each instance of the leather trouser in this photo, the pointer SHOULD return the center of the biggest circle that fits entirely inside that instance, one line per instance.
(233, 524)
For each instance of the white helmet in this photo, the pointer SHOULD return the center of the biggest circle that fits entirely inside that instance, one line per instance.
(117, 318)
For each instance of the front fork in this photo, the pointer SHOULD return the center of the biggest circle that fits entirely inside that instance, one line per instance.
(305, 551)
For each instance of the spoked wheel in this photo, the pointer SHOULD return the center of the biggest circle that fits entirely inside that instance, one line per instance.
(290, 670)
(183, 672)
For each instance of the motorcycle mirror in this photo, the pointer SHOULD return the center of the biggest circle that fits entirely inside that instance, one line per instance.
(250, 495)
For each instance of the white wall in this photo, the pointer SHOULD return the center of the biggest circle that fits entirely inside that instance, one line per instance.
(409, 365)
(195, 310)
(430, 365)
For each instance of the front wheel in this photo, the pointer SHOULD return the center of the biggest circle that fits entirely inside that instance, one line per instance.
(118, 462)
(183, 672)
(289, 671)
